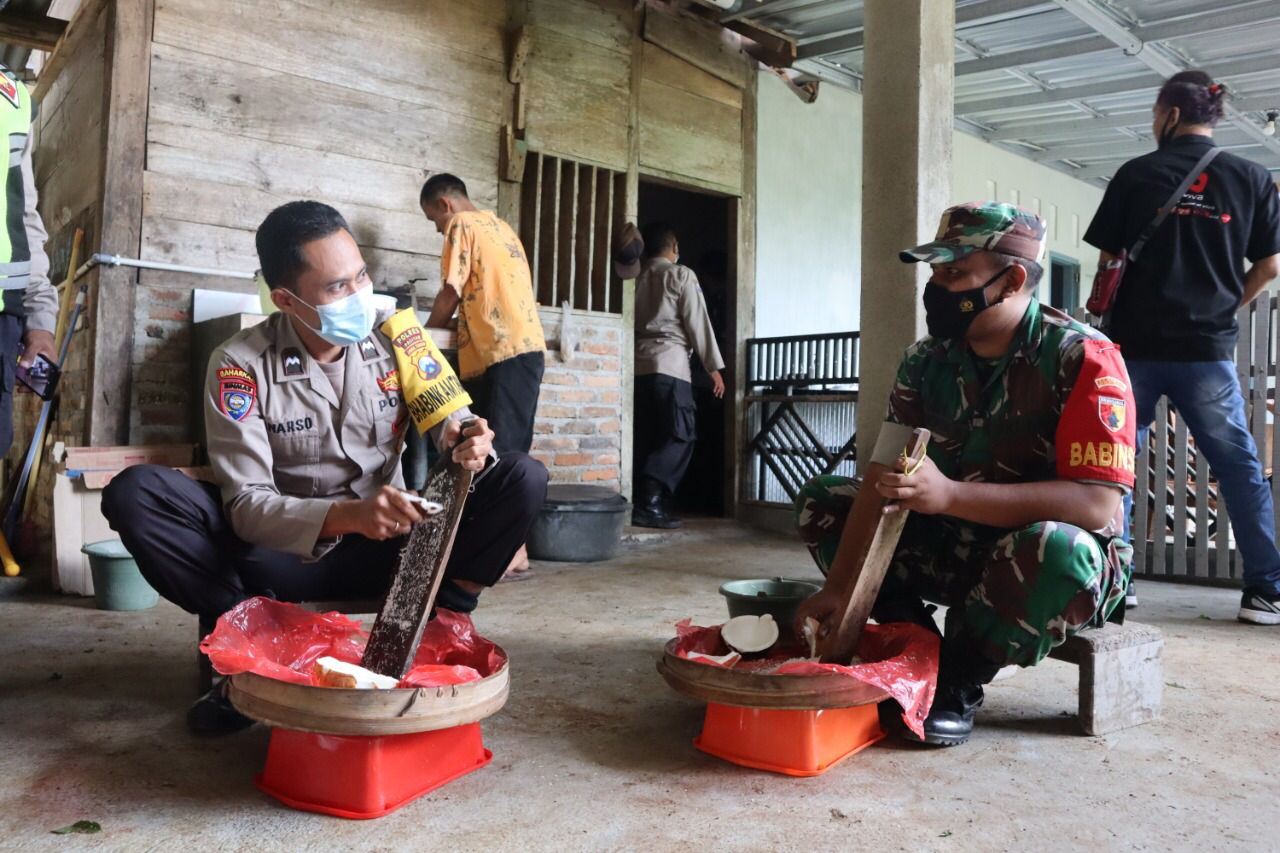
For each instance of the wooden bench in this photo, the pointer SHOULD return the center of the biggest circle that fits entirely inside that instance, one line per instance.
(1121, 675)
(369, 605)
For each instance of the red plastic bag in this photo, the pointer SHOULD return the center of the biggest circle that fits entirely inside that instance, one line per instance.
(279, 640)
(899, 658)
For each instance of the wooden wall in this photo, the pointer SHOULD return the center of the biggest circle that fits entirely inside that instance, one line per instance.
(253, 104)
(691, 98)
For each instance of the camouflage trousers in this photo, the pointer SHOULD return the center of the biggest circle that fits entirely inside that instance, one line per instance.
(1012, 594)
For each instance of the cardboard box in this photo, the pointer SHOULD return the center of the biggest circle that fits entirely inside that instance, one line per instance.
(80, 474)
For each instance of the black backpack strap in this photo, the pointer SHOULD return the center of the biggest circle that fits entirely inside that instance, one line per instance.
(1169, 205)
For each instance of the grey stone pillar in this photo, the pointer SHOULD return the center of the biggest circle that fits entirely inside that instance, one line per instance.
(907, 120)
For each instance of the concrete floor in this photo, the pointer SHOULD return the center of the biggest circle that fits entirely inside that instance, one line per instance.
(593, 750)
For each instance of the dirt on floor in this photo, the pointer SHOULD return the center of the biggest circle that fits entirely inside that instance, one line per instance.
(593, 751)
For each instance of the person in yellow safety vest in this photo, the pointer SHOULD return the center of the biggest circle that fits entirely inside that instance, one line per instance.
(28, 302)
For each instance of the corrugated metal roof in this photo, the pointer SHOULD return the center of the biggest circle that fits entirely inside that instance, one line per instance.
(1036, 79)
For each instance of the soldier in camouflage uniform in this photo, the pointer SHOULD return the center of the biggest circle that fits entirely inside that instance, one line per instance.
(1016, 511)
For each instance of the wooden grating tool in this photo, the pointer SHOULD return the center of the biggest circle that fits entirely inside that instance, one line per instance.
(880, 532)
(393, 642)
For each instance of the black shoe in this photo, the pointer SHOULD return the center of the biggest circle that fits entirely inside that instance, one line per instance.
(213, 715)
(649, 511)
(1259, 607)
(961, 674)
(1131, 595)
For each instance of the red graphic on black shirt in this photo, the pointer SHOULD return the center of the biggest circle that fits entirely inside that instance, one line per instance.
(1201, 183)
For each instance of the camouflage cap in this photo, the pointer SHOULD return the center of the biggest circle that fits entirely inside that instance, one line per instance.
(983, 225)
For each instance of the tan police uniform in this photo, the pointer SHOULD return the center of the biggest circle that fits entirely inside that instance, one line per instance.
(671, 323)
(285, 444)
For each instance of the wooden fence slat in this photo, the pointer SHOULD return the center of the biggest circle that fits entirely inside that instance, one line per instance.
(1258, 386)
(566, 225)
(1160, 501)
(1201, 565)
(585, 222)
(547, 227)
(1138, 534)
(1180, 465)
(1275, 425)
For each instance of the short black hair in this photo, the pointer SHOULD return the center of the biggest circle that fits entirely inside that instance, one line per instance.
(658, 237)
(285, 231)
(439, 185)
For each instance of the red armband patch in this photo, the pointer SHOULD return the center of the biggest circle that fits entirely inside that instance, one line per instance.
(236, 392)
(1096, 436)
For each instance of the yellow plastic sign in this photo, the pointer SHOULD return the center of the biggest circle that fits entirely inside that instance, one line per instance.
(431, 389)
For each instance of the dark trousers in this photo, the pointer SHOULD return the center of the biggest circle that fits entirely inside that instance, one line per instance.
(665, 428)
(176, 530)
(506, 395)
(10, 349)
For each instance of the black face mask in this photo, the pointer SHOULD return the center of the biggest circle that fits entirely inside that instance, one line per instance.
(948, 314)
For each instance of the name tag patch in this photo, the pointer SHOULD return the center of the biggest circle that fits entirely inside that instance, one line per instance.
(292, 426)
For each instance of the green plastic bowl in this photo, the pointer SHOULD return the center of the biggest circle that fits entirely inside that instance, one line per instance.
(117, 582)
(778, 597)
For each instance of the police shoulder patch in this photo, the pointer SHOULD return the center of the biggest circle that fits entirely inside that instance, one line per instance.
(236, 392)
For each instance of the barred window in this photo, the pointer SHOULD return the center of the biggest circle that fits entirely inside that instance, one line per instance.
(568, 213)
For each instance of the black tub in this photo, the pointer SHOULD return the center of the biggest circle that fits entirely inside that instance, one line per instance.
(578, 524)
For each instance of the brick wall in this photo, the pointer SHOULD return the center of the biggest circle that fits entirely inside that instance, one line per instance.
(578, 431)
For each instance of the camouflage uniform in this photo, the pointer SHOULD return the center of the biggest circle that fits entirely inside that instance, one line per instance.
(1054, 407)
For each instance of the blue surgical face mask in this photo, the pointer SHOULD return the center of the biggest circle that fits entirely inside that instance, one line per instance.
(346, 321)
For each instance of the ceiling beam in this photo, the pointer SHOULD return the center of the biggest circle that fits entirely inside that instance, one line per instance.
(831, 45)
(768, 7)
(1095, 16)
(30, 31)
(1138, 83)
(1232, 17)
(1082, 125)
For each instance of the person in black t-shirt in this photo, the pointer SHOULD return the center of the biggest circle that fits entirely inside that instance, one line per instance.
(1175, 312)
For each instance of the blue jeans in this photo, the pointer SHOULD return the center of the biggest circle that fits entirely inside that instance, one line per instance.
(1206, 395)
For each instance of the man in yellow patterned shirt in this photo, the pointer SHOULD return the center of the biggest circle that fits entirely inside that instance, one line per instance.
(484, 276)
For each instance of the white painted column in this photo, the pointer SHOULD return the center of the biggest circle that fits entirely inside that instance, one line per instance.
(907, 120)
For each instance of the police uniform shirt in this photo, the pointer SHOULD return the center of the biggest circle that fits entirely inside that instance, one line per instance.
(672, 321)
(284, 444)
(1178, 302)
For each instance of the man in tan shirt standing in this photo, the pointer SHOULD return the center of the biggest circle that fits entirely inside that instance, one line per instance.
(671, 324)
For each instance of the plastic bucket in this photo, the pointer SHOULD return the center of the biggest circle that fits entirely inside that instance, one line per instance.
(117, 582)
(778, 597)
(578, 524)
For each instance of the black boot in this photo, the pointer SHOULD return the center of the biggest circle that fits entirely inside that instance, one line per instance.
(213, 714)
(648, 511)
(961, 673)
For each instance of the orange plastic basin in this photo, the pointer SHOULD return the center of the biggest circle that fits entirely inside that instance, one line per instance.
(360, 777)
(797, 743)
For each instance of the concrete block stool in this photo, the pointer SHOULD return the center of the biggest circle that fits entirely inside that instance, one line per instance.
(1121, 675)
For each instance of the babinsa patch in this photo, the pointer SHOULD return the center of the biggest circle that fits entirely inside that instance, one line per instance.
(236, 392)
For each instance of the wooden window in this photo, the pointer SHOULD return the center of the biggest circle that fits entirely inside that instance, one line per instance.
(568, 213)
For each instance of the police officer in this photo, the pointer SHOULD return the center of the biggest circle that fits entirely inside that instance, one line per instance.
(28, 302)
(1016, 511)
(306, 422)
(671, 324)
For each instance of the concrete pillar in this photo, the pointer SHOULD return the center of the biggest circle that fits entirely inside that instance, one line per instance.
(907, 120)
